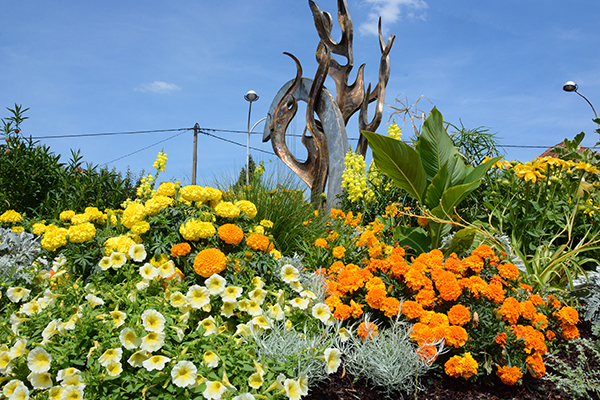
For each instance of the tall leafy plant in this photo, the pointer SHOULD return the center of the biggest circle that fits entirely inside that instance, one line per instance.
(433, 173)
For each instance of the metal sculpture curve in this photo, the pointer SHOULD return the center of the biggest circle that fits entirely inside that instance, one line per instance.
(325, 139)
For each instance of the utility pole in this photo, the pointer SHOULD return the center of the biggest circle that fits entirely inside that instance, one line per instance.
(195, 156)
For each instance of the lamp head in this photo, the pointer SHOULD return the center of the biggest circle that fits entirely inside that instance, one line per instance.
(570, 87)
(251, 96)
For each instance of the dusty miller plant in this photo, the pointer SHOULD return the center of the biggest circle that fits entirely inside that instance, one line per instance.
(588, 290)
(18, 251)
(389, 360)
(582, 381)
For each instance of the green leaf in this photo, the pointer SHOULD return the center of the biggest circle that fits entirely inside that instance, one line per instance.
(434, 145)
(461, 241)
(399, 162)
(414, 237)
(437, 187)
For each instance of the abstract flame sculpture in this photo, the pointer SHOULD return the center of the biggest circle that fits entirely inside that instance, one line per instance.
(325, 138)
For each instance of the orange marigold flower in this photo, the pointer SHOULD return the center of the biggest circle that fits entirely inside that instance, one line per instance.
(438, 320)
(510, 310)
(337, 213)
(427, 353)
(411, 309)
(552, 300)
(180, 249)
(501, 338)
(464, 367)
(537, 300)
(535, 365)
(526, 287)
(494, 292)
(539, 321)
(390, 307)
(550, 335)
(259, 242)
(375, 282)
(570, 332)
(485, 251)
(322, 243)
(231, 234)
(459, 315)
(455, 336)
(508, 271)
(356, 310)
(209, 262)
(415, 279)
(454, 265)
(474, 262)
(509, 375)
(342, 312)
(476, 286)
(336, 267)
(568, 316)
(375, 297)
(426, 297)
(421, 333)
(398, 266)
(449, 289)
(367, 330)
(339, 251)
(527, 309)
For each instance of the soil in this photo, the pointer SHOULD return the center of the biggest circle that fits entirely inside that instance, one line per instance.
(343, 387)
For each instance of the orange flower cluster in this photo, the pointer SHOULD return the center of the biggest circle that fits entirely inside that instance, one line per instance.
(209, 262)
(464, 367)
(322, 243)
(180, 249)
(367, 330)
(231, 234)
(509, 375)
(259, 242)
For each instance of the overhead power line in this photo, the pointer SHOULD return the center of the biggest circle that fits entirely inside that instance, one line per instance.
(142, 149)
(109, 133)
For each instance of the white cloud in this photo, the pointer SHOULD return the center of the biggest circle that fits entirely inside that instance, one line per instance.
(158, 87)
(390, 12)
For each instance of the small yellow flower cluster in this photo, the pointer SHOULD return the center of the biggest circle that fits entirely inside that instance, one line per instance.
(161, 162)
(542, 167)
(195, 230)
(145, 191)
(394, 131)
(10, 217)
(354, 178)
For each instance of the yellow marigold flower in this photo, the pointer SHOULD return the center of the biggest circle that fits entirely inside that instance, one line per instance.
(66, 216)
(231, 234)
(94, 214)
(339, 252)
(81, 233)
(509, 375)
(38, 228)
(322, 243)
(213, 195)
(11, 217)
(195, 230)
(157, 203)
(259, 242)
(120, 244)
(247, 207)
(266, 223)
(209, 262)
(193, 193)
(55, 238)
(166, 189)
(132, 214)
(140, 227)
(226, 209)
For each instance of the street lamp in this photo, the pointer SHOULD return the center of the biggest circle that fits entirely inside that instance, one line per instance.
(250, 97)
(572, 87)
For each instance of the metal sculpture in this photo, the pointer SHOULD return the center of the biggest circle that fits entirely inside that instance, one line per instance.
(325, 139)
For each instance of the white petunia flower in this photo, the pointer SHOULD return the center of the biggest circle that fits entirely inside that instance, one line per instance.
(40, 381)
(292, 389)
(94, 300)
(322, 312)
(254, 308)
(118, 259)
(143, 284)
(299, 303)
(63, 373)
(72, 392)
(17, 294)
(18, 349)
(137, 252)
(307, 294)
(209, 326)
(296, 286)
(258, 295)
(51, 329)
(214, 390)
(244, 396)
(10, 387)
(21, 392)
(228, 308)
(105, 263)
(178, 299)
(31, 308)
(136, 360)
(256, 380)
(118, 318)
(153, 321)
(215, 284)
(114, 368)
(231, 294)
(289, 273)
(303, 383)
(152, 342)
(198, 296)
(211, 360)
(155, 363)
(333, 358)
(167, 269)
(38, 360)
(184, 374)
(110, 355)
(148, 271)
(275, 312)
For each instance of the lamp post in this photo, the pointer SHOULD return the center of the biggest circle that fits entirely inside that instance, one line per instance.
(572, 87)
(250, 97)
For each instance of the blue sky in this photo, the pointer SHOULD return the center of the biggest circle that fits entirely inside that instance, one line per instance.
(121, 66)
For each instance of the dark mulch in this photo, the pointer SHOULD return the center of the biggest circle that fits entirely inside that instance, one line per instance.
(343, 387)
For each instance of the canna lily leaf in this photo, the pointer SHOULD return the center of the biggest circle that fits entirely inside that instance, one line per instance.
(434, 145)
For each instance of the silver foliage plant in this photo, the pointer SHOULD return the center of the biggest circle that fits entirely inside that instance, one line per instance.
(18, 251)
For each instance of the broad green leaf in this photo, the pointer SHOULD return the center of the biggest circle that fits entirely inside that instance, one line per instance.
(457, 169)
(399, 162)
(461, 241)
(437, 187)
(479, 171)
(434, 145)
(414, 237)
